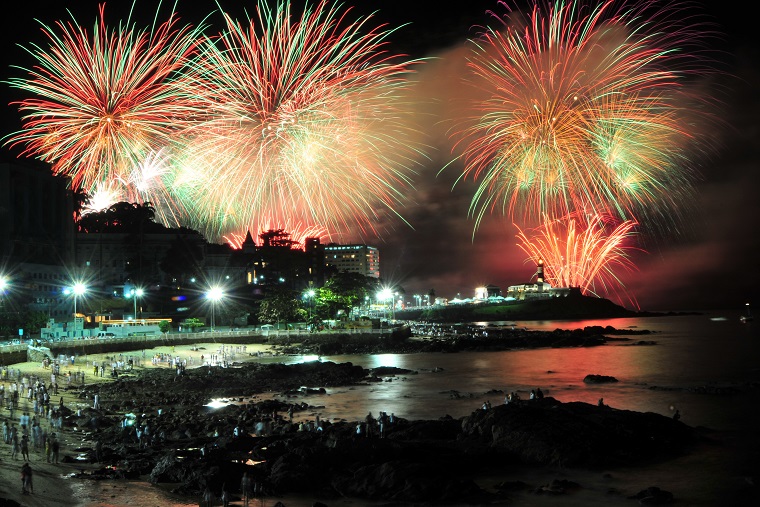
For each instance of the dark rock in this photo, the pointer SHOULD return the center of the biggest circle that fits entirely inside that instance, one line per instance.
(654, 496)
(419, 461)
(511, 486)
(390, 371)
(598, 379)
(402, 481)
(546, 432)
(557, 487)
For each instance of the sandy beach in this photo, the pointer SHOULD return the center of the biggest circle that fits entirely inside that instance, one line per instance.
(52, 485)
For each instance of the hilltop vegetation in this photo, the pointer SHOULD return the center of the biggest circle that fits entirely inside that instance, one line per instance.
(570, 307)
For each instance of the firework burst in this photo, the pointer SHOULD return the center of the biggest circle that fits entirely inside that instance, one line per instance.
(582, 250)
(304, 122)
(103, 101)
(585, 108)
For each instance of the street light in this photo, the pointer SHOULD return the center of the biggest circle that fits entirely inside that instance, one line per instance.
(310, 294)
(4, 285)
(214, 295)
(136, 293)
(78, 289)
(385, 295)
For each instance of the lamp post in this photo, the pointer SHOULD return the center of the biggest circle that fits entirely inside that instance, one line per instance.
(4, 284)
(214, 295)
(385, 295)
(77, 290)
(310, 295)
(136, 293)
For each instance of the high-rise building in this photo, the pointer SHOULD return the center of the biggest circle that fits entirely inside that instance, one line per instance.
(362, 259)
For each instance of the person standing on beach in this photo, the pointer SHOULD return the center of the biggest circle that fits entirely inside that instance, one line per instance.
(370, 425)
(15, 447)
(208, 498)
(225, 496)
(99, 450)
(55, 447)
(245, 488)
(25, 448)
(27, 486)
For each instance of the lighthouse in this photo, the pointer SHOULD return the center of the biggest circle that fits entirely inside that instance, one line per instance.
(540, 272)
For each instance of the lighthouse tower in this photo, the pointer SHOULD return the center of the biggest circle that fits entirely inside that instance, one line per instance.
(540, 271)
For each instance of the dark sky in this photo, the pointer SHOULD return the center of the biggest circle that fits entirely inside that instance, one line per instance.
(711, 262)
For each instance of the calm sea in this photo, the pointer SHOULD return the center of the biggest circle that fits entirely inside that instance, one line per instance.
(694, 357)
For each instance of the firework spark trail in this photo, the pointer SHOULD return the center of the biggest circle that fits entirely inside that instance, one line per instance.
(582, 250)
(104, 101)
(585, 109)
(305, 121)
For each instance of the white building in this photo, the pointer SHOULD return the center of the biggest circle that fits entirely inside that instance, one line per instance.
(362, 259)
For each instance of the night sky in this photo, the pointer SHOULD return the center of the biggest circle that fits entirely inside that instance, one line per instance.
(709, 262)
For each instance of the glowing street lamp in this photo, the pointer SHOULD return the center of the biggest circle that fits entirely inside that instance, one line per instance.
(136, 293)
(215, 294)
(310, 295)
(4, 286)
(77, 290)
(387, 295)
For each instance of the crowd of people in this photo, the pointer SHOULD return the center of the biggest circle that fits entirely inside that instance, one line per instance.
(32, 419)
(514, 397)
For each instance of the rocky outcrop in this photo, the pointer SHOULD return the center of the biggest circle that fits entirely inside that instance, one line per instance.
(599, 379)
(547, 432)
(418, 461)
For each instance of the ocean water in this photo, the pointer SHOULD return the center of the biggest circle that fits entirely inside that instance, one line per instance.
(694, 357)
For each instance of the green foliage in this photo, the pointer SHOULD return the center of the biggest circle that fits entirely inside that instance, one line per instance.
(280, 305)
(122, 217)
(164, 326)
(193, 323)
(342, 292)
(28, 320)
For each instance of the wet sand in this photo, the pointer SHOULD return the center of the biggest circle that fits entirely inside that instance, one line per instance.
(51, 483)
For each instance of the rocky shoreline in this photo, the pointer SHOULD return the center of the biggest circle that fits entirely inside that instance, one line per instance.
(194, 447)
(429, 338)
(155, 425)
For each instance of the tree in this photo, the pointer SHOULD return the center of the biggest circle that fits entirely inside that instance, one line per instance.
(277, 238)
(164, 326)
(192, 323)
(29, 320)
(123, 217)
(343, 291)
(279, 305)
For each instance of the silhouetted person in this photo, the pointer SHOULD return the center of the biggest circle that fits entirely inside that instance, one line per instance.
(677, 415)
